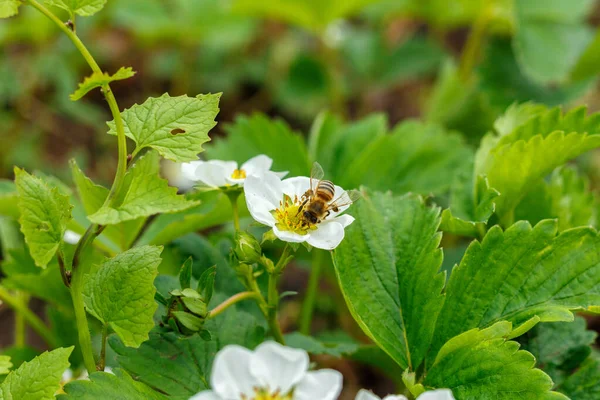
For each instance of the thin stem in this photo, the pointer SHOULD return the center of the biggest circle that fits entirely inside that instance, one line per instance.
(83, 330)
(102, 361)
(20, 331)
(284, 259)
(311, 293)
(472, 50)
(236, 215)
(232, 300)
(273, 302)
(29, 316)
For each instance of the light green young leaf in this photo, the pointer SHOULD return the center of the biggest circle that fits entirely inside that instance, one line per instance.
(550, 37)
(45, 213)
(387, 267)
(522, 275)
(146, 194)
(103, 385)
(8, 8)
(257, 134)
(85, 8)
(559, 347)
(5, 365)
(37, 379)
(482, 364)
(120, 293)
(175, 126)
(584, 384)
(566, 197)
(515, 162)
(99, 79)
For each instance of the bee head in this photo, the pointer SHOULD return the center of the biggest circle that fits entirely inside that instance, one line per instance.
(310, 217)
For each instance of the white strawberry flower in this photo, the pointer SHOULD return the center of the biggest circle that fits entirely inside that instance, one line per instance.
(217, 173)
(438, 394)
(271, 372)
(276, 203)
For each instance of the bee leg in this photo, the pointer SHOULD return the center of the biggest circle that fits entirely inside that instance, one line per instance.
(327, 215)
(301, 206)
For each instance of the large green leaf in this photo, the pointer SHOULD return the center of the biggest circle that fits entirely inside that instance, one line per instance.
(584, 384)
(103, 385)
(257, 134)
(483, 365)
(387, 268)
(99, 79)
(146, 194)
(523, 275)
(120, 293)
(84, 8)
(175, 126)
(516, 161)
(45, 213)
(559, 347)
(37, 379)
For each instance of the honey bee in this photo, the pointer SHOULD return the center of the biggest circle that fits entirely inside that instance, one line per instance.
(317, 202)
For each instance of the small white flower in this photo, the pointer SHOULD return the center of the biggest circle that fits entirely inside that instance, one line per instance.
(217, 173)
(71, 237)
(438, 394)
(276, 203)
(271, 372)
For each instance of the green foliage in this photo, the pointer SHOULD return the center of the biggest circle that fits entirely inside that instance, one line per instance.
(523, 275)
(175, 126)
(315, 346)
(103, 385)
(8, 199)
(146, 194)
(467, 363)
(45, 213)
(100, 79)
(5, 365)
(37, 379)
(8, 8)
(387, 268)
(584, 384)
(120, 293)
(85, 8)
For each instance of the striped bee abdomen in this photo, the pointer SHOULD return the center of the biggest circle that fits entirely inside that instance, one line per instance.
(325, 190)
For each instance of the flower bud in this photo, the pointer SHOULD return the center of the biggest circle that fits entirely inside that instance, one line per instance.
(247, 249)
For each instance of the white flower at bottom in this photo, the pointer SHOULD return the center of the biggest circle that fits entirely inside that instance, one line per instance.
(439, 394)
(276, 203)
(271, 372)
(217, 173)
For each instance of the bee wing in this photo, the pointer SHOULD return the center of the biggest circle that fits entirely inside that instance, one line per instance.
(347, 198)
(316, 175)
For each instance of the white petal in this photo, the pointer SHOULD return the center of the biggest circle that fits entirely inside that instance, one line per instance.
(279, 367)
(328, 235)
(231, 375)
(71, 237)
(288, 236)
(188, 169)
(438, 394)
(297, 185)
(345, 220)
(206, 395)
(214, 173)
(281, 174)
(395, 397)
(67, 375)
(257, 165)
(263, 194)
(366, 395)
(324, 384)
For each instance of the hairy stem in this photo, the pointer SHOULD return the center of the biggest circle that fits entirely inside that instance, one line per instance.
(102, 361)
(273, 302)
(311, 292)
(29, 316)
(232, 300)
(83, 330)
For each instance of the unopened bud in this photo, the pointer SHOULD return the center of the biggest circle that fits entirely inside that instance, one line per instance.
(247, 249)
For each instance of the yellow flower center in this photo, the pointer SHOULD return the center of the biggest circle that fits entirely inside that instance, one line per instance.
(238, 174)
(290, 218)
(264, 394)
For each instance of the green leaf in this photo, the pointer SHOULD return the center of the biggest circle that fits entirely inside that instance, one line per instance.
(257, 134)
(566, 197)
(8, 8)
(584, 384)
(316, 346)
(99, 79)
(482, 364)
(588, 65)
(185, 275)
(85, 8)
(522, 275)
(175, 126)
(37, 379)
(146, 194)
(120, 293)
(550, 37)
(9, 199)
(45, 213)
(103, 385)
(180, 366)
(5, 365)
(543, 143)
(387, 267)
(559, 347)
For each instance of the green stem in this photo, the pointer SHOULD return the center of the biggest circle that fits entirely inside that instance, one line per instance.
(83, 330)
(232, 300)
(273, 302)
(20, 332)
(102, 361)
(311, 293)
(29, 316)
(472, 50)
(236, 215)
